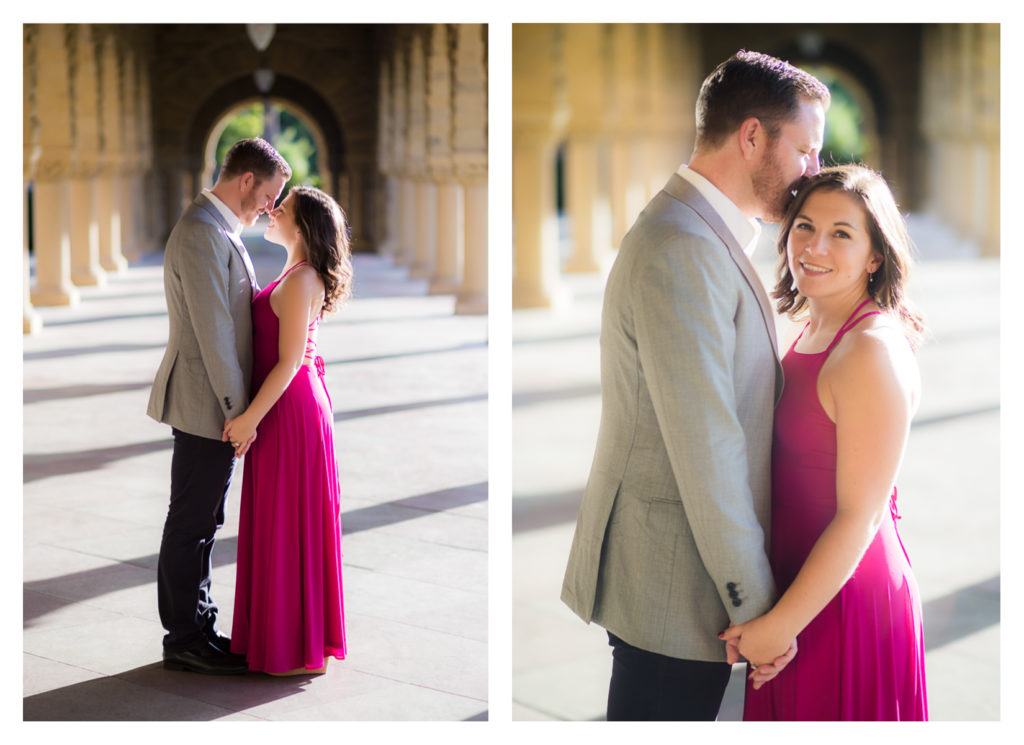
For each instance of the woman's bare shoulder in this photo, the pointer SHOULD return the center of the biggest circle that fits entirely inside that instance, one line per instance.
(875, 358)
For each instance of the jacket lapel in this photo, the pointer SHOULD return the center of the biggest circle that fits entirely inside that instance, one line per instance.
(680, 189)
(203, 203)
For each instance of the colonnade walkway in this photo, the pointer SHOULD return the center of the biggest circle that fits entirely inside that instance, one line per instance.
(408, 380)
(948, 495)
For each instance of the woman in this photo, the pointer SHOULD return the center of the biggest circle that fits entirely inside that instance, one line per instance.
(289, 616)
(848, 593)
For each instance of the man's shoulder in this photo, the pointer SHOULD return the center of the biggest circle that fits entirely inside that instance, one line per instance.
(197, 222)
(667, 221)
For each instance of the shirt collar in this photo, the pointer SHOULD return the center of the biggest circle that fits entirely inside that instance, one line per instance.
(233, 222)
(745, 231)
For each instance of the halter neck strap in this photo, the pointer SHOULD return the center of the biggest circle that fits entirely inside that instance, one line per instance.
(293, 266)
(851, 322)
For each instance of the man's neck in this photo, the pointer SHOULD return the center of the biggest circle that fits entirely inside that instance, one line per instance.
(728, 178)
(222, 193)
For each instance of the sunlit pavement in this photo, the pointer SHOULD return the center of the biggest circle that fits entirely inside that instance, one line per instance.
(408, 381)
(948, 496)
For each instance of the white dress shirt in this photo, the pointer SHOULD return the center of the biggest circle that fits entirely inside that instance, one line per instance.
(746, 232)
(225, 211)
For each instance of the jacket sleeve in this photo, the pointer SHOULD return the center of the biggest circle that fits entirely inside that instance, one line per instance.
(685, 294)
(204, 269)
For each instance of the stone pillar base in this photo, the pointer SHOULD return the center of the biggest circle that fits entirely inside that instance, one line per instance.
(444, 286)
(54, 296)
(114, 264)
(583, 264)
(88, 278)
(471, 305)
(531, 295)
(31, 322)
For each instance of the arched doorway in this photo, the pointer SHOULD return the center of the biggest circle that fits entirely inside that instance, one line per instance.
(210, 155)
(303, 101)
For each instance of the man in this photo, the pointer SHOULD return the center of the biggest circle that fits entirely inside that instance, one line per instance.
(670, 543)
(202, 381)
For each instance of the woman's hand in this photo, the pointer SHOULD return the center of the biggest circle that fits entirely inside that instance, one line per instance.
(240, 432)
(764, 644)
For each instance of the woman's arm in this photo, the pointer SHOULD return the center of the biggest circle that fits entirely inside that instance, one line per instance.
(870, 391)
(293, 298)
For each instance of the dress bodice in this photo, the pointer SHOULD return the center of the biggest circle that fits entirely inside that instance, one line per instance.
(266, 330)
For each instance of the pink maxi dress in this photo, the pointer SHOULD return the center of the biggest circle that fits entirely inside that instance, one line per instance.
(862, 657)
(289, 611)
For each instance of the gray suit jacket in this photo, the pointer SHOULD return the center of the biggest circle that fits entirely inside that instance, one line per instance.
(671, 538)
(209, 283)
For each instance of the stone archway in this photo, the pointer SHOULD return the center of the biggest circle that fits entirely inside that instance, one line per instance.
(289, 92)
(210, 164)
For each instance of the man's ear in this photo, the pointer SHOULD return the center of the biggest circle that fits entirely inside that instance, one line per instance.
(752, 137)
(246, 181)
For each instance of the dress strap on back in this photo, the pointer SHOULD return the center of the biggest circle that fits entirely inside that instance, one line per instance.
(851, 322)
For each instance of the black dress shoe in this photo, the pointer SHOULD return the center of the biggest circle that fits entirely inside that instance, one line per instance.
(220, 642)
(205, 659)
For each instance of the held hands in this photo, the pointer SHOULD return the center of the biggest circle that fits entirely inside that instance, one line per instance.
(760, 642)
(240, 433)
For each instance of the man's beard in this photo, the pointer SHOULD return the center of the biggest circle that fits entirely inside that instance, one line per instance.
(775, 195)
(250, 204)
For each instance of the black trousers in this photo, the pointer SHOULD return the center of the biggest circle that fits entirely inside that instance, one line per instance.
(201, 471)
(647, 686)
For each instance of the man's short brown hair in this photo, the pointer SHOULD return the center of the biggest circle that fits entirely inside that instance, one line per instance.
(750, 84)
(257, 156)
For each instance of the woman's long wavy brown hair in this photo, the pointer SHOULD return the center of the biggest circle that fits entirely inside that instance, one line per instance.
(325, 230)
(889, 238)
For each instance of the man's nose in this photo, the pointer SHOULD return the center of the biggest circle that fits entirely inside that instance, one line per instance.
(814, 167)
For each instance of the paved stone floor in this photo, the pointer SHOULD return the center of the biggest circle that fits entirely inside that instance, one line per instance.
(409, 385)
(949, 497)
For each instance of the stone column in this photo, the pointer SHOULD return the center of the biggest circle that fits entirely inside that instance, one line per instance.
(658, 166)
(126, 187)
(406, 220)
(425, 191)
(145, 179)
(450, 240)
(360, 202)
(987, 111)
(108, 207)
(53, 136)
(681, 85)
(626, 192)
(386, 229)
(585, 49)
(405, 209)
(451, 217)
(85, 237)
(469, 152)
(472, 296)
(31, 322)
(539, 116)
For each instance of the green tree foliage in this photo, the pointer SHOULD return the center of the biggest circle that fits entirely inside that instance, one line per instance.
(844, 122)
(296, 144)
(293, 140)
